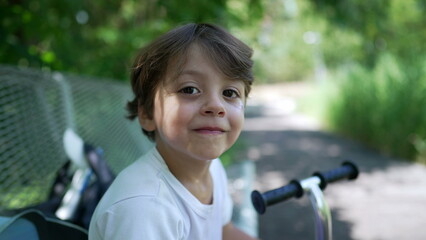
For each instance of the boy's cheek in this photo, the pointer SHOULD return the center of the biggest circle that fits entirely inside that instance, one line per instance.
(238, 106)
(237, 117)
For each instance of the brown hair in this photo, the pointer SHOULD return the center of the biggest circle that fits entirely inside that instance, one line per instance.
(230, 55)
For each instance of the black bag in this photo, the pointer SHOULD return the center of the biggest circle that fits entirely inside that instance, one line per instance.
(34, 225)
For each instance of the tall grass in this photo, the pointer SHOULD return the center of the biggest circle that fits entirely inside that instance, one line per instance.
(383, 107)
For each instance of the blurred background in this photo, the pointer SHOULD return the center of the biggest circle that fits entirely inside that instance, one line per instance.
(334, 79)
(366, 59)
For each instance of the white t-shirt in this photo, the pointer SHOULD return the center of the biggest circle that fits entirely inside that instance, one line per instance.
(146, 201)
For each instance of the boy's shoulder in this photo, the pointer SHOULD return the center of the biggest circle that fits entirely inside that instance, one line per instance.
(141, 178)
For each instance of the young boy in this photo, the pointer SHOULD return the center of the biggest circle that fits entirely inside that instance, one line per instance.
(190, 88)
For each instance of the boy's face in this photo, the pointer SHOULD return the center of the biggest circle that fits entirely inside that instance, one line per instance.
(197, 114)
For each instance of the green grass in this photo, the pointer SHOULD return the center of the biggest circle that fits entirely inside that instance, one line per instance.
(384, 107)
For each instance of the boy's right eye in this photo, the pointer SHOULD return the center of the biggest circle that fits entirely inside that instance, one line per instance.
(189, 90)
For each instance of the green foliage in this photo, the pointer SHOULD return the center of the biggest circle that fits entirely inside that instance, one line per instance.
(383, 107)
(420, 145)
(100, 38)
(377, 49)
(396, 26)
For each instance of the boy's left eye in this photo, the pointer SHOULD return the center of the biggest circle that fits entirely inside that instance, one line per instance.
(230, 93)
(189, 90)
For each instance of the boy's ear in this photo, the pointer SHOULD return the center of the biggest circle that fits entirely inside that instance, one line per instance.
(146, 123)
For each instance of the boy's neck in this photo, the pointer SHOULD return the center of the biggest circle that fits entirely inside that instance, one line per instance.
(192, 173)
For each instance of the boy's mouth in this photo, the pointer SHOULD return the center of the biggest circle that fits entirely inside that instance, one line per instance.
(210, 130)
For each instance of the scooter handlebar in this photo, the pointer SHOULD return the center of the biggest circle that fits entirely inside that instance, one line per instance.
(260, 201)
(348, 170)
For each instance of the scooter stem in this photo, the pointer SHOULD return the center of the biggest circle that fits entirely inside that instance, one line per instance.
(322, 215)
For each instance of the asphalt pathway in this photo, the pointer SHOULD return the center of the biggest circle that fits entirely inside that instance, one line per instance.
(387, 201)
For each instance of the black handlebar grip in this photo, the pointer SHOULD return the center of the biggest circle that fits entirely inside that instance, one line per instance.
(348, 170)
(261, 201)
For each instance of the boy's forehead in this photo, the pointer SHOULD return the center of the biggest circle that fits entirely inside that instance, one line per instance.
(183, 69)
(178, 64)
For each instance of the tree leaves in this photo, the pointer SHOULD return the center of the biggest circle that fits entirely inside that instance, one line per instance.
(99, 37)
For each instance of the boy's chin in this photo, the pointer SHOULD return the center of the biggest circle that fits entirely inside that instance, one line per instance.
(210, 155)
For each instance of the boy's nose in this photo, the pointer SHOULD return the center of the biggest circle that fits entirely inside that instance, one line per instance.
(213, 107)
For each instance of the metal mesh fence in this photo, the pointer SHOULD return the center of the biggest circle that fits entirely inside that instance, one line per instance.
(35, 109)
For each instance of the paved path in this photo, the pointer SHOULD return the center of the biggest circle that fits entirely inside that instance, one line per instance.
(387, 201)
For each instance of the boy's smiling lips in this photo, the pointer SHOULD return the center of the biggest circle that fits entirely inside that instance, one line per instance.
(209, 130)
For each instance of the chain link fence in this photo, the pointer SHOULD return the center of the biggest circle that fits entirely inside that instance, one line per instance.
(35, 109)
